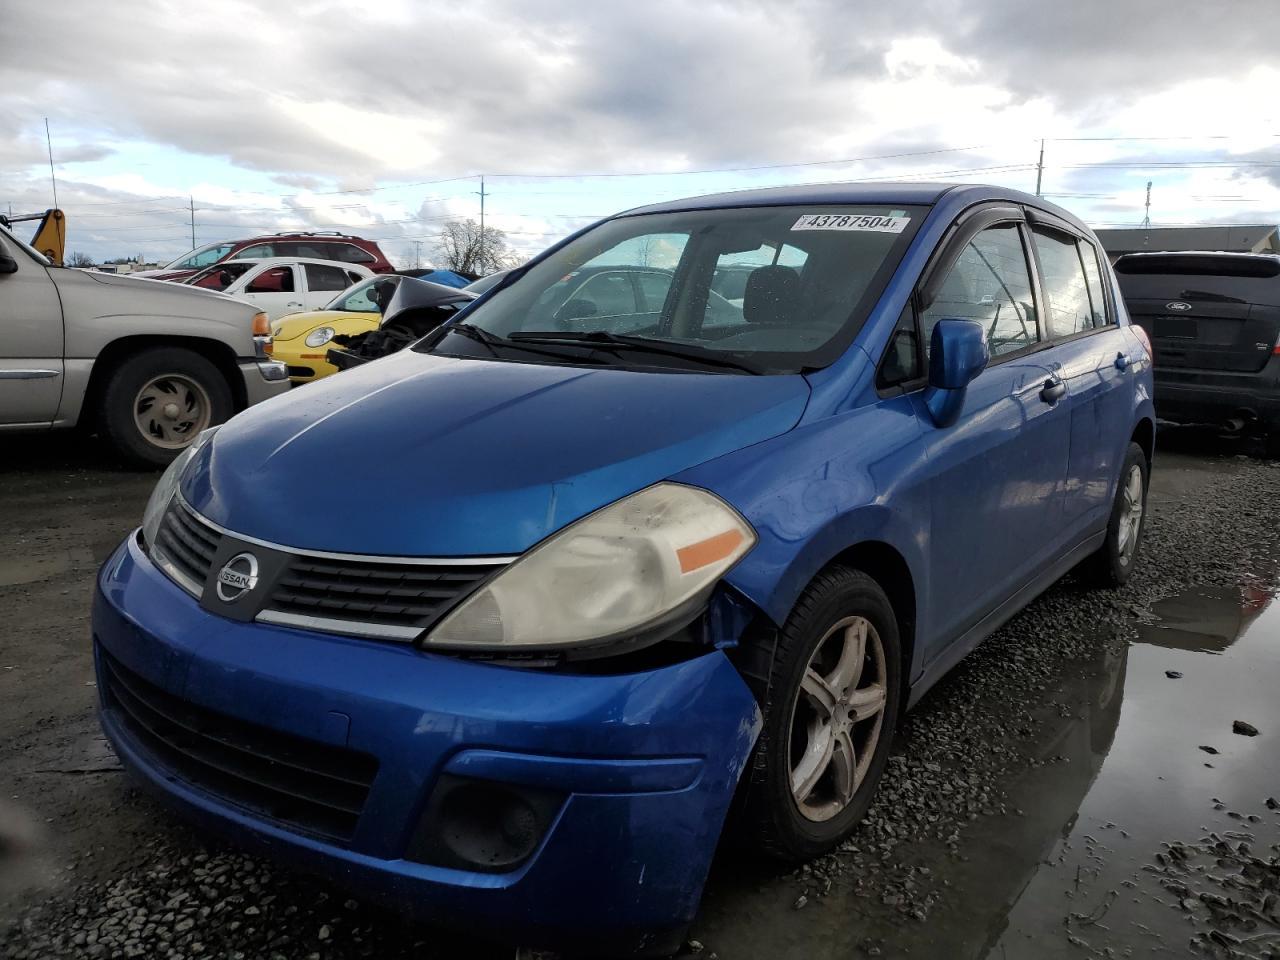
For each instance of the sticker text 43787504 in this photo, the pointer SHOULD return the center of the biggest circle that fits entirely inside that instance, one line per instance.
(848, 221)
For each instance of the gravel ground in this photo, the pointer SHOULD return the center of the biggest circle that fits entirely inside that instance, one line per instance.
(125, 879)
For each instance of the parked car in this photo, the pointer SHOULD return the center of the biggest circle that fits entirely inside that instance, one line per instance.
(301, 340)
(280, 285)
(147, 365)
(1214, 320)
(613, 576)
(414, 309)
(315, 246)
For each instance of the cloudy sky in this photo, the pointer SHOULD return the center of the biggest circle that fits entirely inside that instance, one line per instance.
(377, 118)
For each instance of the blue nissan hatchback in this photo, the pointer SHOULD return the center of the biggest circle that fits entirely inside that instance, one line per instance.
(665, 530)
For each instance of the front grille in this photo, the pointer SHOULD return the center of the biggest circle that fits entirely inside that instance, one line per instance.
(395, 595)
(186, 544)
(308, 786)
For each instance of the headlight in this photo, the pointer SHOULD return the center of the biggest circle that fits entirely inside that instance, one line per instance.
(319, 336)
(632, 566)
(168, 485)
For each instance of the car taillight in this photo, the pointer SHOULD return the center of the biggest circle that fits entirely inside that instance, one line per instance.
(1276, 351)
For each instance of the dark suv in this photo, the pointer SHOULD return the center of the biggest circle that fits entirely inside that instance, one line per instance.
(1214, 321)
(318, 246)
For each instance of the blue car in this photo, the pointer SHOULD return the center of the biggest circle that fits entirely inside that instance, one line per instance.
(606, 569)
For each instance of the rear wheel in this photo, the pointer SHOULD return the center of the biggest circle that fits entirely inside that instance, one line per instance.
(831, 699)
(1113, 563)
(158, 400)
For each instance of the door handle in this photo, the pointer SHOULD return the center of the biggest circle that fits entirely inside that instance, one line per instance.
(1053, 390)
(1122, 362)
(294, 303)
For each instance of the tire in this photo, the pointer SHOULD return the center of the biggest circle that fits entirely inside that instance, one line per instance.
(157, 400)
(773, 817)
(1113, 563)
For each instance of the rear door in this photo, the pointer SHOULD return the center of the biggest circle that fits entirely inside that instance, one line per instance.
(1087, 350)
(1208, 313)
(324, 282)
(31, 341)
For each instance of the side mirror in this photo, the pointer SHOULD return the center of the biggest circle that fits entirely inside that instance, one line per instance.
(958, 352)
(7, 264)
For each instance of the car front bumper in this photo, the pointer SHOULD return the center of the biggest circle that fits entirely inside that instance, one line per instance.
(643, 764)
(263, 379)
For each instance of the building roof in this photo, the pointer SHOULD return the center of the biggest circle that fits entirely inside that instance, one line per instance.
(1237, 238)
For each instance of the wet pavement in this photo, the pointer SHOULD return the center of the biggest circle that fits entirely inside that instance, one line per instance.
(1124, 834)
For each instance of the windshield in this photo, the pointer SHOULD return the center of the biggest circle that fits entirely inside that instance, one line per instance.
(200, 257)
(779, 289)
(364, 296)
(219, 277)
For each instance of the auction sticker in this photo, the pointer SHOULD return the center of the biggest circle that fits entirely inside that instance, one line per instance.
(849, 221)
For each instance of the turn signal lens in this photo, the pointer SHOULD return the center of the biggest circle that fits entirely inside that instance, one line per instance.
(261, 325)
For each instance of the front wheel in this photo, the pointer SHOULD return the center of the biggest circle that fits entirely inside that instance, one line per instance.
(831, 706)
(158, 400)
(1114, 561)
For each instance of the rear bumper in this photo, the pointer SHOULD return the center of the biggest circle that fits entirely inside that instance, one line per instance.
(1189, 396)
(646, 763)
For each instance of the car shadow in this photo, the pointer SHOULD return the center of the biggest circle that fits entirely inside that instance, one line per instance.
(58, 450)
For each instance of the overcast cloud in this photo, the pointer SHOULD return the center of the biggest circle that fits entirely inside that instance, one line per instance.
(263, 113)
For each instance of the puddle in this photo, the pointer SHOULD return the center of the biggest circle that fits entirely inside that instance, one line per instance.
(1127, 837)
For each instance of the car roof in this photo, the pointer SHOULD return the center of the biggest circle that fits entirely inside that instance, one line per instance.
(259, 261)
(878, 193)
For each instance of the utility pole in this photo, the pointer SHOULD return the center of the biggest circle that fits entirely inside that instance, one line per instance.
(482, 236)
(1040, 167)
(1146, 221)
(52, 178)
(193, 221)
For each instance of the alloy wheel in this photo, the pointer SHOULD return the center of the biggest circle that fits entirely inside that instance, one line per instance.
(837, 717)
(171, 409)
(1131, 508)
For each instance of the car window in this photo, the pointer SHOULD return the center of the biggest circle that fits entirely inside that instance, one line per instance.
(349, 253)
(323, 277)
(272, 280)
(219, 276)
(199, 259)
(259, 251)
(1093, 274)
(365, 298)
(608, 294)
(902, 360)
(989, 283)
(654, 287)
(1068, 310)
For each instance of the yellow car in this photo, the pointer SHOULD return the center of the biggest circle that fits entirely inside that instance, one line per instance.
(301, 340)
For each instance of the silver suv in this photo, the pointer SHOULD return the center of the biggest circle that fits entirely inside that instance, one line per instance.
(147, 364)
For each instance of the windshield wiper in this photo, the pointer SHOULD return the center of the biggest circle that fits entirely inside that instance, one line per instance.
(603, 338)
(478, 334)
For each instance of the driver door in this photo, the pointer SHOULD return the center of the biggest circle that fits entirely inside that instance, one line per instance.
(31, 342)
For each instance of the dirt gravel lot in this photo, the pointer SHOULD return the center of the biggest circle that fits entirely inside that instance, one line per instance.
(1076, 788)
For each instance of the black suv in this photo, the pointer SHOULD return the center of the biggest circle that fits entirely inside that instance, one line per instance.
(1214, 323)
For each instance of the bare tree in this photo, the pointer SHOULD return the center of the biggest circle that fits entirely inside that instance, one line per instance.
(79, 259)
(463, 247)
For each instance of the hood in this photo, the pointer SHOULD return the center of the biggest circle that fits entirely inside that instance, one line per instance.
(296, 324)
(419, 455)
(412, 296)
(86, 295)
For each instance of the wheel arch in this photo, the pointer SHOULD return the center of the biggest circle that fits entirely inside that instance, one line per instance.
(120, 349)
(1144, 435)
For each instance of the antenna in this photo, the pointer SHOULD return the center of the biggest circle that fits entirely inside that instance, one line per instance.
(52, 178)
